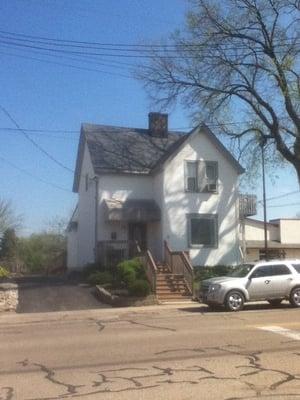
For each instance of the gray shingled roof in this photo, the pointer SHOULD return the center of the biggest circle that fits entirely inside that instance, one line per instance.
(116, 149)
(131, 150)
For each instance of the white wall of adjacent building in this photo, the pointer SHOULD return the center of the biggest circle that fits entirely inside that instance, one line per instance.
(254, 230)
(286, 232)
(289, 231)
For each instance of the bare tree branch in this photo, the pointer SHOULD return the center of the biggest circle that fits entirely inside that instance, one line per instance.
(237, 56)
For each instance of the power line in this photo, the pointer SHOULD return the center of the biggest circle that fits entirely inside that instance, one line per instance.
(40, 134)
(173, 129)
(80, 58)
(40, 148)
(39, 130)
(281, 196)
(70, 65)
(121, 55)
(33, 176)
(129, 47)
(285, 205)
(56, 41)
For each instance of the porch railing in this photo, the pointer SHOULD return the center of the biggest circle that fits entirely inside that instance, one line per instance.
(179, 263)
(111, 252)
(150, 268)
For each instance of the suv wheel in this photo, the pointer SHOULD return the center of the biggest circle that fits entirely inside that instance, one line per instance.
(275, 302)
(234, 301)
(295, 297)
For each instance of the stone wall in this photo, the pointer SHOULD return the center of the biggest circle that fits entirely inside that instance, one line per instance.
(8, 296)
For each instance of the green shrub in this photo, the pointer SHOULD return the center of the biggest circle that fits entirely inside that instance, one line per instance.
(3, 272)
(202, 273)
(139, 288)
(129, 271)
(100, 278)
(89, 269)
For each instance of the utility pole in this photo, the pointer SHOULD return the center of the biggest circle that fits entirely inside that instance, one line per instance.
(262, 146)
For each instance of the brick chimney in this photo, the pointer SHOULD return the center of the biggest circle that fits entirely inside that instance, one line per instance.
(158, 124)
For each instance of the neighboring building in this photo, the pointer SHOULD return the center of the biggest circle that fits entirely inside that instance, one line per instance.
(150, 186)
(283, 239)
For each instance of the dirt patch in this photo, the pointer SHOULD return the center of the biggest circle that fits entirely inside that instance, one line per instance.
(56, 295)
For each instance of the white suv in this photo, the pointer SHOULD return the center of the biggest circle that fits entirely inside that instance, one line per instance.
(273, 281)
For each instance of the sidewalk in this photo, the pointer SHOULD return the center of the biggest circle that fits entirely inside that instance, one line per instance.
(108, 313)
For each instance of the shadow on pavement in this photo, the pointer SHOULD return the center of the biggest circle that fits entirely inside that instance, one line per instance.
(203, 309)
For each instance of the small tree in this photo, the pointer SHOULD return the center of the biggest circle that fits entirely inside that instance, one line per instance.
(8, 217)
(9, 245)
(43, 252)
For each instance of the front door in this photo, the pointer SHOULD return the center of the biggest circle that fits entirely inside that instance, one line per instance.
(137, 232)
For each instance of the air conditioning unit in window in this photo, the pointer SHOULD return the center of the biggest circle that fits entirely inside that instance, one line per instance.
(211, 187)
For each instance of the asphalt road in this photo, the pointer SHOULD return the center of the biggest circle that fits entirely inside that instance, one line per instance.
(163, 352)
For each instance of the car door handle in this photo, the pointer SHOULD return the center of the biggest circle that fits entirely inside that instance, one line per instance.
(289, 279)
(267, 281)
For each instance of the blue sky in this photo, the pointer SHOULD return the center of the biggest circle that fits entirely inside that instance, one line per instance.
(48, 96)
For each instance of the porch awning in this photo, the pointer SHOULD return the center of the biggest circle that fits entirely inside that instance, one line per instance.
(131, 210)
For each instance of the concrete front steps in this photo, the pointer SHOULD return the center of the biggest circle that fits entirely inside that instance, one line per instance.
(171, 287)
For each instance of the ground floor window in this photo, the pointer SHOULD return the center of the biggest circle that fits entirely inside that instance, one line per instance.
(203, 230)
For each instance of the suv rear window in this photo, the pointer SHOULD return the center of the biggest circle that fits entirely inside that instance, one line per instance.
(297, 267)
(280, 269)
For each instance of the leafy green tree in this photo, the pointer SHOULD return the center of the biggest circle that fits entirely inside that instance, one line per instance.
(8, 217)
(43, 252)
(9, 245)
(236, 66)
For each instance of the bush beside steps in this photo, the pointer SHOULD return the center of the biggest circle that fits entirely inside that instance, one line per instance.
(125, 285)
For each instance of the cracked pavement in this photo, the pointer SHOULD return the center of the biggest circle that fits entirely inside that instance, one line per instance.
(176, 352)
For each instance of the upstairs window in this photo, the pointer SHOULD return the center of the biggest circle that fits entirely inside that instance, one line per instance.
(191, 176)
(201, 176)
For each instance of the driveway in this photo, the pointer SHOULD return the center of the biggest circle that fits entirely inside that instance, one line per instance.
(45, 294)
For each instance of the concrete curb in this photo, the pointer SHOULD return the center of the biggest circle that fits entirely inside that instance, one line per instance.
(121, 301)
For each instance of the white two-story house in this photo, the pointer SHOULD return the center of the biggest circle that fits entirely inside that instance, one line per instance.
(152, 185)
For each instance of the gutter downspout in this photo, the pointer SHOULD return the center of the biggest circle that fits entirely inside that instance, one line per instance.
(96, 217)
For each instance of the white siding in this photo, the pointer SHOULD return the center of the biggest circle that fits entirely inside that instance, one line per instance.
(178, 203)
(167, 189)
(72, 244)
(120, 187)
(86, 213)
